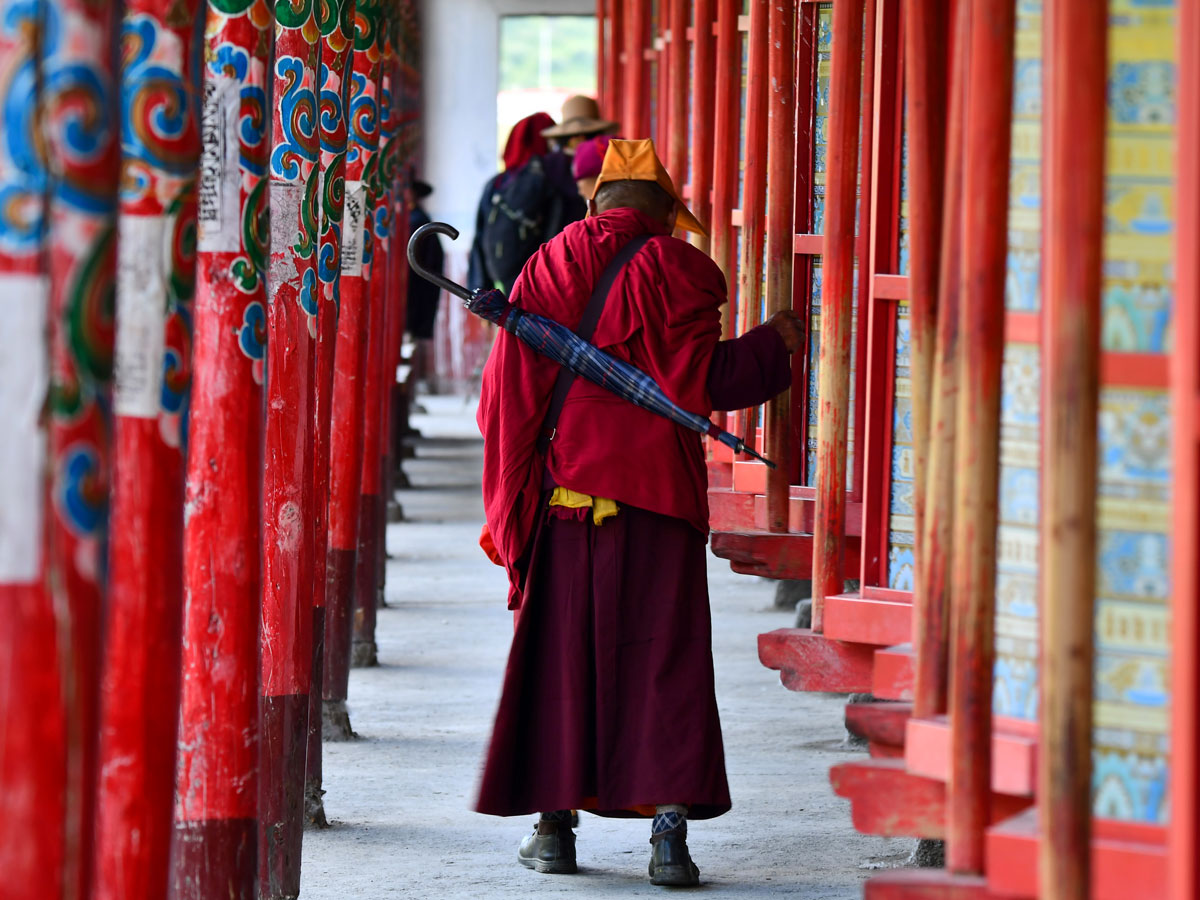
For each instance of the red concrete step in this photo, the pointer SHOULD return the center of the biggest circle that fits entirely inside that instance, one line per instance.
(887, 800)
(785, 556)
(811, 662)
(1014, 753)
(879, 722)
(1129, 860)
(893, 674)
(851, 617)
(926, 884)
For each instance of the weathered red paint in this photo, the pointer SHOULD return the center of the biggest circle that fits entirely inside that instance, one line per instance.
(727, 99)
(373, 507)
(1077, 107)
(614, 68)
(676, 76)
(336, 48)
(985, 182)
(293, 306)
(78, 266)
(779, 240)
(926, 34)
(931, 599)
(810, 662)
(703, 94)
(1184, 828)
(142, 631)
(833, 383)
(350, 370)
(215, 843)
(635, 77)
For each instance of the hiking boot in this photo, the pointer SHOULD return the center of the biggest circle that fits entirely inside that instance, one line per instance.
(550, 854)
(670, 862)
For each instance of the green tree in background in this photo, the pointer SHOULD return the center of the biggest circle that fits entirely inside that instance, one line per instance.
(548, 53)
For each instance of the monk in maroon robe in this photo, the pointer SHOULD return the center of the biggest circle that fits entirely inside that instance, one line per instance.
(608, 702)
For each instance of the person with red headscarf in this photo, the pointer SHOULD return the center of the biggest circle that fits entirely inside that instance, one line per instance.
(521, 208)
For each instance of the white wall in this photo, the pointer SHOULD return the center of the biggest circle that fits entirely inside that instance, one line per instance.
(460, 78)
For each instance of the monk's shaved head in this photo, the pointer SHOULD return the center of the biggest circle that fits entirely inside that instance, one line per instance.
(645, 196)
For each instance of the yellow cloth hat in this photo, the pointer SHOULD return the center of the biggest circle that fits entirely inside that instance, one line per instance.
(637, 161)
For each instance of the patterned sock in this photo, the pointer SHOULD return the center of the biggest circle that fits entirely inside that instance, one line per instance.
(550, 822)
(669, 817)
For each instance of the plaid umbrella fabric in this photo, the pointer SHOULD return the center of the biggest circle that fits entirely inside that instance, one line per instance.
(566, 348)
(562, 345)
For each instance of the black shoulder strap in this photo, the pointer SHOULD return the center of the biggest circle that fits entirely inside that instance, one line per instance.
(586, 328)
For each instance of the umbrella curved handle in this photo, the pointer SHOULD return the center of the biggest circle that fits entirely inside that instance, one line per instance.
(426, 231)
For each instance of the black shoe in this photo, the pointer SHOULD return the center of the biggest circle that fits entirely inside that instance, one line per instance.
(550, 854)
(670, 862)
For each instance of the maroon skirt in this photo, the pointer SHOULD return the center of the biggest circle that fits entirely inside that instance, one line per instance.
(608, 703)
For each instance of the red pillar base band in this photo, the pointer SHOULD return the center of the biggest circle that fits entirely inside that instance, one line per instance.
(284, 724)
(367, 589)
(335, 721)
(339, 623)
(215, 858)
(314, 806)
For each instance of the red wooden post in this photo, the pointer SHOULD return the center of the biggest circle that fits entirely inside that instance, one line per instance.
(337, 43)
(368, 589)
(726, 114)
(32, 756)
(931, 599)
(614, 67)
(677, 75)
(932, 604)
(704, 85)
(292, 312)
(78, 122)
(833, 379)
(603, 85)
(1076, 52)
(350, 369)
(925, 59)
(925, 39)
(215, 848)
(156, 279)
(780, 237)
(1183, 858)
(635, 83)
(985, 191)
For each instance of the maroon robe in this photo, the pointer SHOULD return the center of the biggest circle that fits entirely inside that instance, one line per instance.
(608, 702)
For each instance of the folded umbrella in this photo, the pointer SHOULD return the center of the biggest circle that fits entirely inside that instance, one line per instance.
(562, 345)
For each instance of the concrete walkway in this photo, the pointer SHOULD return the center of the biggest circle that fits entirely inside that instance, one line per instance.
(400, 796)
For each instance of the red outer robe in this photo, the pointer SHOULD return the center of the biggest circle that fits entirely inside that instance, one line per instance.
(662, 315)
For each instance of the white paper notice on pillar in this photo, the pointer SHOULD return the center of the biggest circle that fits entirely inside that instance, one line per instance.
(24, 380)
(218, 206)
(142, 263)
(354, 219)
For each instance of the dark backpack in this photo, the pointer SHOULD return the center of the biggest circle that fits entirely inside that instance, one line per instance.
(516, 222)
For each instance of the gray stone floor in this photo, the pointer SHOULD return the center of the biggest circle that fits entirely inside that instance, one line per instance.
(400, 796)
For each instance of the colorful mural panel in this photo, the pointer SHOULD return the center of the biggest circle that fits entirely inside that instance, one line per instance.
(1131, 737)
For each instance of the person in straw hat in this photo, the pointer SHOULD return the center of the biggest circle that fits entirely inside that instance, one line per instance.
(581, 120)
(598, 510)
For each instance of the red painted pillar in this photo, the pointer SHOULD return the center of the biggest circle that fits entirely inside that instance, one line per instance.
(833, 378)
(614, 78)
(350, 367)
(677, 77)
(32, 756)
(704, 83)
(727, 107)
(292, 315)
(337, 44)
(635, 86)
(977, 451)
(1077, 54)
(931, 602)
(368, 587)
(780, 237)
(156, 279)
(78, 121)
(215, 847)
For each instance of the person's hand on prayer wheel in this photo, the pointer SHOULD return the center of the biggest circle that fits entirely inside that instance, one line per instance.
(790, 327)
